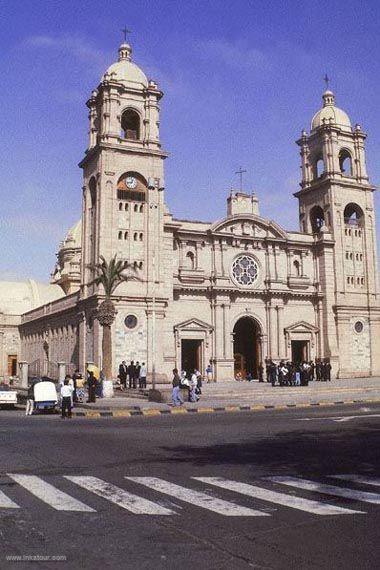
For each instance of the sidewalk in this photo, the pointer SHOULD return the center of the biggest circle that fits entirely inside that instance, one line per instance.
(242, 396)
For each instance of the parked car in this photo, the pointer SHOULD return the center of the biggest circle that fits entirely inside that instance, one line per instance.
(8, 396)
(45, 395)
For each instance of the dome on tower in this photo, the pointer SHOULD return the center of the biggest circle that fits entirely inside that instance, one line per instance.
(330, 114)
(125, 70)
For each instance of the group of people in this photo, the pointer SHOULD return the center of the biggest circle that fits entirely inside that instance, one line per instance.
(132, 374)
(184, 387)
(71, 390)
(300, 374)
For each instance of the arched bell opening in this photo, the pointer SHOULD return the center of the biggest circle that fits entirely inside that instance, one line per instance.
(247, 347)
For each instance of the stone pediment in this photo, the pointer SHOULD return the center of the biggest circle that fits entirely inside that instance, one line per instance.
(302, 326)
(249, 225)
(193, 325)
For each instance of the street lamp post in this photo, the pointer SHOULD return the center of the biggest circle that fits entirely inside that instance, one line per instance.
(154, 207)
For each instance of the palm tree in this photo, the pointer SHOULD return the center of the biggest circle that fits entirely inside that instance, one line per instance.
(110, 275)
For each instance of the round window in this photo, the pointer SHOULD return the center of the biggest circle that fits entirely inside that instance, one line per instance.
(245, 270)
(359, 326)
(130, 321)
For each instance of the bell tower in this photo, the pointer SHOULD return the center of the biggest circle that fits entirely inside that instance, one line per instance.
(123, 173)
(336, 206)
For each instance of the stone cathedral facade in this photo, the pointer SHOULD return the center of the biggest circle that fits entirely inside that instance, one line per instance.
(234, 292)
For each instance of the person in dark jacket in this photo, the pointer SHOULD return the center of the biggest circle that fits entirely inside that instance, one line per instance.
(91, 384)
(132, 374)
(123, 372)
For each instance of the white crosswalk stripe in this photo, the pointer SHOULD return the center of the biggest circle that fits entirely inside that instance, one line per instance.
(315, 507)
(197, 498)
(6, 503)
(358, 479)
(49, 494)
(124, 499)
(363, 496)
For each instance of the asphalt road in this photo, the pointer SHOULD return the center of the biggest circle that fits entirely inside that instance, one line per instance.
(166, 521)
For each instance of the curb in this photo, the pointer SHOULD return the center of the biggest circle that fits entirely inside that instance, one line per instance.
(153, 412)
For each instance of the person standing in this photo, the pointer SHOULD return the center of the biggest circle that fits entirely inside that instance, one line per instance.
(209, 373)
(91, 384)
(261, 372)
(123, 371)
(131, 374)
(176, 392)
(66, 395)
(137, 373)
(76, 377)
(30, 399)
(311, 371)
(143, 374)
(318, 370)
(328, 370)
(272, 373)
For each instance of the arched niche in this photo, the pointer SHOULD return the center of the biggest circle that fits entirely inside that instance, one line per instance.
(130, 125)
(353, 215)
(92, 188)
(317, 218)
(319, 166)
(132, 186)
(345, 162)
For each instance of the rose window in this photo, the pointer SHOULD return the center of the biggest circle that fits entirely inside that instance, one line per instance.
(245, 270)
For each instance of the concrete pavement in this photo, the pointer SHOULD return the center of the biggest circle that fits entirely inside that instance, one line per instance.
(242, 396)
(291, 489)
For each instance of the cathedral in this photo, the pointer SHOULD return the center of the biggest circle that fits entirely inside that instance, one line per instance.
(235, 292)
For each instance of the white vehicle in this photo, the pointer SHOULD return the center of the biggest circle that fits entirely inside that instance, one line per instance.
(8, 396)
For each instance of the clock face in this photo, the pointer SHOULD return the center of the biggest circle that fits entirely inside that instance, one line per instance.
(131, 182)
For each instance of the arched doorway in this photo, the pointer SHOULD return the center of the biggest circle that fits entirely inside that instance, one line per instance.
(247, 353)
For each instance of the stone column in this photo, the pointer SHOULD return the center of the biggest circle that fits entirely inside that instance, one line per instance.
(280, 331)
(61, 371)
(2, 363)
(24, 366)
(272, 330)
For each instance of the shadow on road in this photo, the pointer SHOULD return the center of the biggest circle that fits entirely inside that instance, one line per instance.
(307, 452)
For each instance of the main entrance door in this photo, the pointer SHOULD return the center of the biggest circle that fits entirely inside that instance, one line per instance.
(300, 351)
(191, 355)
(246, 347)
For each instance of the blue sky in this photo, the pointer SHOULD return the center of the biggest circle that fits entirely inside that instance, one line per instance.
(241, 79)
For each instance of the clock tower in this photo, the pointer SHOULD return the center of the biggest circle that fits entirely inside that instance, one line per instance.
(123, 185)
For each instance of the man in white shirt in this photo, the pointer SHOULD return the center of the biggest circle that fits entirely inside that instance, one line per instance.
(66, 394)
(142, 378)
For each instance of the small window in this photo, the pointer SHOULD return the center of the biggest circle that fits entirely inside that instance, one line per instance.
(135, 236)
(358, 327)
(141, 237)
(126, 207)
(358, 280)
(362, 280)
(351, 255)
(130, 321)
(297, 268)
(348, 280)
(136, 208)
(347, 255)
(120, 205)
(140, 265)
(120, 235)
(141, 208)
(125, 235)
